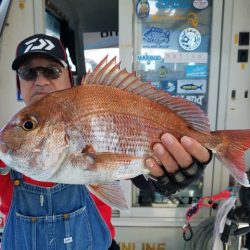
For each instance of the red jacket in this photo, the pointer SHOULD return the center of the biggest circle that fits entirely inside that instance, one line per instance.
(6, 190)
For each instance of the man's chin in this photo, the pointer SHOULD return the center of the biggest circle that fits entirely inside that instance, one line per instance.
(37, 97)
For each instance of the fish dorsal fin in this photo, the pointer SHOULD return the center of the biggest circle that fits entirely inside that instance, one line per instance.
(109, 73)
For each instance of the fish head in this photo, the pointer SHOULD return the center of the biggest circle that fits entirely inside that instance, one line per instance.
(27, 140)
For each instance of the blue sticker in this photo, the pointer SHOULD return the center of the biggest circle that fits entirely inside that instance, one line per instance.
(167, 86)
(156, 37)
(200, 71)
(142, 8)
(190, 39)
(163, 4)
(170, 87)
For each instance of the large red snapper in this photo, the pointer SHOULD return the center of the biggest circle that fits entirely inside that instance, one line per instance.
(104, 130)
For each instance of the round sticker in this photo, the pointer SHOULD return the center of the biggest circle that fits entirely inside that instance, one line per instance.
(190, 39)
(200, 4)
(142, 8)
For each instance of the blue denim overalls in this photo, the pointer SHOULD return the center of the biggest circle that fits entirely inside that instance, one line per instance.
(63, 217)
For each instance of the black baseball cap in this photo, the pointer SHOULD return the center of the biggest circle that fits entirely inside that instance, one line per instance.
(43, 45)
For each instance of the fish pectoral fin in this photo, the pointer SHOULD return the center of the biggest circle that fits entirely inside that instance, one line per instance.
(84, 160)
(113, 159)
(89, 149)
(93, 160)
(110, 193)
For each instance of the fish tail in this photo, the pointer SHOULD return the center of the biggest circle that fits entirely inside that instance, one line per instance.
(231, 152)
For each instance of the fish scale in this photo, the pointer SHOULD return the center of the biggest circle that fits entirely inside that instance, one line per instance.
(121, 139)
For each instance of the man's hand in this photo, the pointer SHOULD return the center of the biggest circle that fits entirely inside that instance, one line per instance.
(182, 162)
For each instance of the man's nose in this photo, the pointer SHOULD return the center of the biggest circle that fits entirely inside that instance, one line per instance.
(41, 80)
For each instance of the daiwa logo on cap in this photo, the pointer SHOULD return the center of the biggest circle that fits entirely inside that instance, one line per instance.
(39, 45)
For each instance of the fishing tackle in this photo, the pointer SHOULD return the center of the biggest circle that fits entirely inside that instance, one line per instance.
(208, 202)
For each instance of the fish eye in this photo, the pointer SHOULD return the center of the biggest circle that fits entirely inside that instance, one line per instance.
(29, 124)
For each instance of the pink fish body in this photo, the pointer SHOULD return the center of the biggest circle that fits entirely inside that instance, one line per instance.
(104, 129)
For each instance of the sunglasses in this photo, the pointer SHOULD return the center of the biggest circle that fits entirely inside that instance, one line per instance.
(29, 74)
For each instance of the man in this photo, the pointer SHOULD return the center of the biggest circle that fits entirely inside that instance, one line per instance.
(44, 215)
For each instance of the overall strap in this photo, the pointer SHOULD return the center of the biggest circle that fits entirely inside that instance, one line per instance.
(14, 175)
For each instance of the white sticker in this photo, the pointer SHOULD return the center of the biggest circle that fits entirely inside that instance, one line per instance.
(68, 240)
(191, 86)
(185, 57)
(190, 39)
(200, 4)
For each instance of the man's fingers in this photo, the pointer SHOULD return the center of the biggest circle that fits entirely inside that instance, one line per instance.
(154, 168)
(195, 149)
(165, 158)
(176, 150)
(173, 154)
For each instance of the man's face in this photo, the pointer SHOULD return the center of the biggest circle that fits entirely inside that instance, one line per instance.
(33, 90)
